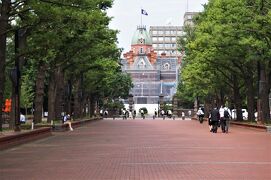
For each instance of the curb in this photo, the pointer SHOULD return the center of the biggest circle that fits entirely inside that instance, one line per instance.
(24, 137)
(15, 139)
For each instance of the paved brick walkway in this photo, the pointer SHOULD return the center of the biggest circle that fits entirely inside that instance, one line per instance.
(142, 150)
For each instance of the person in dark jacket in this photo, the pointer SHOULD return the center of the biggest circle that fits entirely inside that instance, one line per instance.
(215, 119)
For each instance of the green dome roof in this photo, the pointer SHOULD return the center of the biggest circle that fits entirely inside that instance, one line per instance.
(141, 36)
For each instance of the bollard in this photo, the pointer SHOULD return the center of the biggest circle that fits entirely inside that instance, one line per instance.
(32, 125)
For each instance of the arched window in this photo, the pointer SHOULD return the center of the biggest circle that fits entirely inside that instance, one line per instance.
(141, 50)
(166, 66)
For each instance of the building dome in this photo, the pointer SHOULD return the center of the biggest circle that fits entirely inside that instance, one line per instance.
(141, 36)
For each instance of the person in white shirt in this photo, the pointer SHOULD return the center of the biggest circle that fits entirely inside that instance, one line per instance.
(200, 114)
(221, 122)
(183, 116)
(101, 112)
(22, 118)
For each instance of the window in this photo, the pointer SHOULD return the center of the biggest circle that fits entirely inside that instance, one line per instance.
(160, 32)
(141, 50)
(161, 45)
(142, 41)
(160, 39)
(167, 45)
(167, 39)
(166, 66)
(141, 100)
(173, 32)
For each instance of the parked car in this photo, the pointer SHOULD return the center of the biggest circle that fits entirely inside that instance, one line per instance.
(244, 113)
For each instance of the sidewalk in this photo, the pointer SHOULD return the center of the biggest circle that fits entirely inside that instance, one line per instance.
(142, 149)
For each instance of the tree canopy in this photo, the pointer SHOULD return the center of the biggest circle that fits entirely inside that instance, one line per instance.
(68, 54)
(228, 56)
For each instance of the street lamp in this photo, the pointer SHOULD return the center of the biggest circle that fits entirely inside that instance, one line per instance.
(160, 103)
(130, 102)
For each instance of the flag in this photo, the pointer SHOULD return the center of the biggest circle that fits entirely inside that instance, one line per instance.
(144, 12)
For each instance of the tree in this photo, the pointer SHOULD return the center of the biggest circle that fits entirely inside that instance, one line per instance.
(225, 44)
(5, 8)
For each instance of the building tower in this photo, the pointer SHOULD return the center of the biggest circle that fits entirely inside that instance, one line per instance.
(151, 75)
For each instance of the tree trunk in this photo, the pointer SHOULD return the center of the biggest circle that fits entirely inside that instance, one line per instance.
(51, 98)
(76, 99)
(20, 46)
(68, 97)
(237, 99)
(263, 97)
(55, 95)
(59, 101)
(92, 106)
(39, 94)
(250, 98)
(5, 9)
(88, 107)
(208, 106)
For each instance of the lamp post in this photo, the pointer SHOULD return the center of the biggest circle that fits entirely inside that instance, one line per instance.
(161, 102)
(175, 105)
(131, 102)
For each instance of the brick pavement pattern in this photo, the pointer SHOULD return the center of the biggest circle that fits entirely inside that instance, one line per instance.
(142, 150)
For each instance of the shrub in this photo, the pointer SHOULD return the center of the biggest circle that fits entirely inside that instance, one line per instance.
(144, 109)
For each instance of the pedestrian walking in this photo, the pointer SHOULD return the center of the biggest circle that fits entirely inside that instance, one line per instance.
(200, 114)
(134, 114)
(162, 114)
(215, 119)
(183, 116)
(189, 113)
(169, 113)
(101, 112)
(142, 113)
(155, 113)
(227, 117)
(105, 113)
(124, 114)
(210, 122)
(222, 121)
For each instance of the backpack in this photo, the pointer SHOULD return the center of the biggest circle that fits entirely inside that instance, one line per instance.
(226, 114)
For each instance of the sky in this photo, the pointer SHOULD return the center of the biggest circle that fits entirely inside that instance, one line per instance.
(127, 15)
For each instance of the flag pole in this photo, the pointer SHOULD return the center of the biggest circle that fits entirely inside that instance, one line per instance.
(141, 17)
